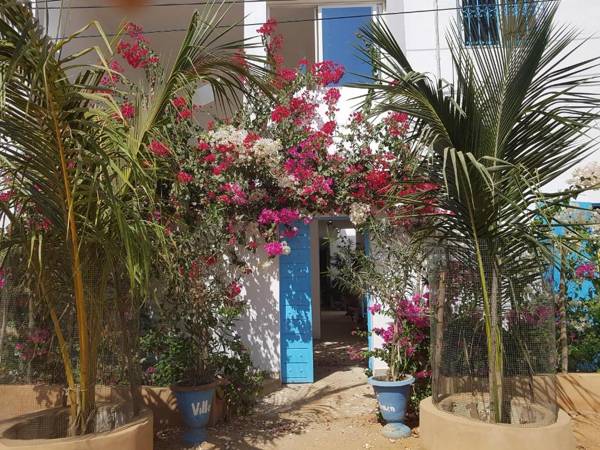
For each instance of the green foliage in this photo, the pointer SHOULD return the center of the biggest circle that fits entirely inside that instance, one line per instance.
(515, 119)
(584, 334)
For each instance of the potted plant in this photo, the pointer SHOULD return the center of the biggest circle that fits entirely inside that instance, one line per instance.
(390, 276)
(78, 182)
(497, 140)
(199, 302)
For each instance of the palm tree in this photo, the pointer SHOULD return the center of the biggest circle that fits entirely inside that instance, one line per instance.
(517, 117)
(79, 194)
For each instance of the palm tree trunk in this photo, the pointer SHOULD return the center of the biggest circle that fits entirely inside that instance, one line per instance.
(439, 293)
(496, 363)
(86, 402)
(492, 332)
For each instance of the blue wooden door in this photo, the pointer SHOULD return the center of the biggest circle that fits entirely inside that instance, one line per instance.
(295, 300)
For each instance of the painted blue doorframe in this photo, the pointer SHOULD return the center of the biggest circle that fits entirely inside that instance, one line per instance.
(295, 303)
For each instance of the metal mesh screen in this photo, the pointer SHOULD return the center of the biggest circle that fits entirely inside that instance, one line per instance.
(32, 374)
(513, 325)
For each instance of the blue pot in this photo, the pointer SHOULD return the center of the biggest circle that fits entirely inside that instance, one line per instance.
(194, 404)
(393, 398)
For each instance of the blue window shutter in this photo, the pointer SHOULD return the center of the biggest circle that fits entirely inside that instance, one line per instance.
(340, 41)
(295, 303)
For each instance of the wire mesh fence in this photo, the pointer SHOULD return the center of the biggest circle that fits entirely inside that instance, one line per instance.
(32, 362)
(493, 337)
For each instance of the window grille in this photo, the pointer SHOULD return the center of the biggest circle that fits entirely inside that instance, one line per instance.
(482, 18)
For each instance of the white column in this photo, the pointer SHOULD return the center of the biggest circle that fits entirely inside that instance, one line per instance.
(254, 12)
(395, 22)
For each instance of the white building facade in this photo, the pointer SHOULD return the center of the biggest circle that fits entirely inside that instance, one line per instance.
(318, 30)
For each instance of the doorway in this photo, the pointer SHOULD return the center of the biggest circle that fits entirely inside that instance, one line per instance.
(338, 313)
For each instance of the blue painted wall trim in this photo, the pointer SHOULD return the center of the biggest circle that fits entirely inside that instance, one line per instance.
(295, 305)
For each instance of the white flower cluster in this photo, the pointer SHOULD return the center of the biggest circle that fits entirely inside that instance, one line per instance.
(587, 177)
(228, 134)
(574, 216)
(267, 150)
(359, 212)
(264, 149)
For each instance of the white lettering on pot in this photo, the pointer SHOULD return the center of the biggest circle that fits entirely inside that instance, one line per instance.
(200, 407)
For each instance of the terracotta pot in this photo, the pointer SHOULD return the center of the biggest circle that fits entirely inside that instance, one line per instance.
(42, 431)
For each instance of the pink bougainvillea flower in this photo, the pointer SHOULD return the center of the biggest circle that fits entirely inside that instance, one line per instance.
(210, 158)
(268, 216)
(112, 78)
(288, 216)
(5, 196)
(329, 127)
(184, 177)
(585, 270)
(179, 102)
(285, 75)
(203, 146)
(127, 110)
(423, 374)
(274, 248)
(279, 113)
(290, 232)
(234, 290)
(159, 149)
(332, 96)
(357, 117)
(327, 72)
(133, 30)
(375, 308)
(268, 27)
(388, 334)
(184, 114)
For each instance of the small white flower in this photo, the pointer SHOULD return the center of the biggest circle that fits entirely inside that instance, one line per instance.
(286, 248)
(359, 212)
(586, 177)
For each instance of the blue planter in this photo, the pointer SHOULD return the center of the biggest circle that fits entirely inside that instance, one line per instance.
(393, 398)
(194, 404)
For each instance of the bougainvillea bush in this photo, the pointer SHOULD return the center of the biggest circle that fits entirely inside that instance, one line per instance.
(284, 158)
(187, 333)
(242, 185)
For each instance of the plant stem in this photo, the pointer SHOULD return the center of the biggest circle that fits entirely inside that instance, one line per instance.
(562, 314)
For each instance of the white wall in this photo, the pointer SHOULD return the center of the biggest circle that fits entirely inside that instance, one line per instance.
(417, 34)
(259, 326)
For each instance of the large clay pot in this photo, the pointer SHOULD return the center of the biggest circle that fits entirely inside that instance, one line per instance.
(45, 430)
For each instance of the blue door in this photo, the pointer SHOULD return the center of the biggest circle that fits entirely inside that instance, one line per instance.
(295, 300)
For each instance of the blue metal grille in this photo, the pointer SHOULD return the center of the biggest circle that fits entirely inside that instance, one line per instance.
(481, 19)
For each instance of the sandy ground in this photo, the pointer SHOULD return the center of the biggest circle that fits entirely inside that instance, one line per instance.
(337, 412)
